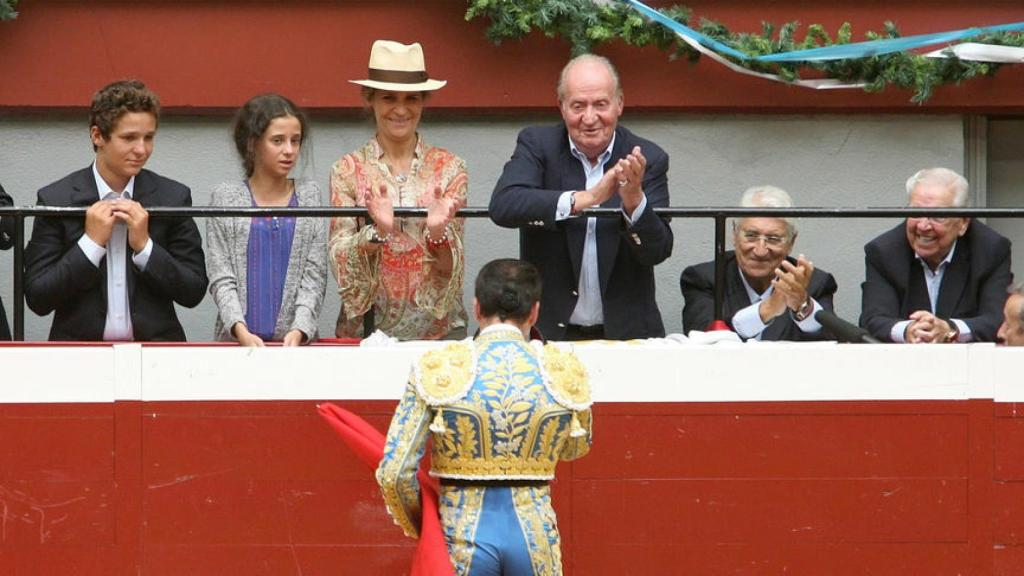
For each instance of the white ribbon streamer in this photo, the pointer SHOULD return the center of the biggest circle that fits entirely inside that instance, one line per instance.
(819, 84)
(982, 53)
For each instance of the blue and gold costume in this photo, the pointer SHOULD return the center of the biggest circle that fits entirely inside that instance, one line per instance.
(502, 412)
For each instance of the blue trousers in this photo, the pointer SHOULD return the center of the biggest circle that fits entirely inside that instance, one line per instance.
(501, 530)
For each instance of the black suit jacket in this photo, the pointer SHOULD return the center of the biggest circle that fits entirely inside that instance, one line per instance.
(698, 286)
(59, 278)
(6, 241)
(973, 287)
(526, 197)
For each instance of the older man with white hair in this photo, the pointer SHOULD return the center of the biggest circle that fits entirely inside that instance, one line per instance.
(598, 272)
(768, 294)
(938, 279)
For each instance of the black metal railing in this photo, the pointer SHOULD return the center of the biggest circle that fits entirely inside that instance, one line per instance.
(719, 214)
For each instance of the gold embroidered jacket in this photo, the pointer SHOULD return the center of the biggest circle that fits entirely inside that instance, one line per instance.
(499, 408)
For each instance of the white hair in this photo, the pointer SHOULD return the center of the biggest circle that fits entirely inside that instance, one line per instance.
(593, 59)
(767, 196)
(941, 177)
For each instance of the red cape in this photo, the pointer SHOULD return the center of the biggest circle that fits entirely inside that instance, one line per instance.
(431, 558)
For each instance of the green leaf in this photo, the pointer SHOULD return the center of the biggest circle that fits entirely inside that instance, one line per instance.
(586, 24)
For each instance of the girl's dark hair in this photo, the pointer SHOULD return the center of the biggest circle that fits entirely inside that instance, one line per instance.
(252, 120)
(507, 288)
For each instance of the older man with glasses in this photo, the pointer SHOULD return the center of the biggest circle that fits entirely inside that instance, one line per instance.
(936, 279)
(768, 294)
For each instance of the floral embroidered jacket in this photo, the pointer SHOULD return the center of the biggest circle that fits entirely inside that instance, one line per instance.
(412, 296)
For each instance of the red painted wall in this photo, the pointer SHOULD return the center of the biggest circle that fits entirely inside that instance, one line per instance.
(265, 488)
(202, 55)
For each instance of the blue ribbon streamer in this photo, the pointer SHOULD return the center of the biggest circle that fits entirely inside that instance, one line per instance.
(835, 52)
(685, 30)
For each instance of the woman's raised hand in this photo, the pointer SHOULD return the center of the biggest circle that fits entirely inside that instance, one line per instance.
(378, 204)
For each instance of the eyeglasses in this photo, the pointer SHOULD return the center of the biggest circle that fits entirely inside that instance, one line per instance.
(773, 240)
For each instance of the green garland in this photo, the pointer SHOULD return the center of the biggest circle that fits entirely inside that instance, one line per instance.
(586, 24)
(7, 11)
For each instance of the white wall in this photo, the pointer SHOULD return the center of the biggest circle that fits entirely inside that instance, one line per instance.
(827, 161)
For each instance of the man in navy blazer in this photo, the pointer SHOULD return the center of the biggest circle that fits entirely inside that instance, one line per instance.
(769, 295)
(115, 275)
(598, 273)
(936, 279)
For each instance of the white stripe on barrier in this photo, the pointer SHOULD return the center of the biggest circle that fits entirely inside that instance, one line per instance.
(620, 372)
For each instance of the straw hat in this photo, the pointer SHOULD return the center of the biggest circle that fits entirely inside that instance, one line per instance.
(398, 67)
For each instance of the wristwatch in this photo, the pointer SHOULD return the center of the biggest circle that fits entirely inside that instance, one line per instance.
(805, 310)
(572, 202)
(954, 333)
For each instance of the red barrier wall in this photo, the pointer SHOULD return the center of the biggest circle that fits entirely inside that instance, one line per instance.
(202, 55)
(837, 488)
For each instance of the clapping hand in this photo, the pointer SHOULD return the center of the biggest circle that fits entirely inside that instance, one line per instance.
(440, 211)
(379, 206)
(631, 175)
(791, 280)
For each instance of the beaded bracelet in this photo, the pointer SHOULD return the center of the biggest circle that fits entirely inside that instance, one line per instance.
(376, 238)
(443, 241)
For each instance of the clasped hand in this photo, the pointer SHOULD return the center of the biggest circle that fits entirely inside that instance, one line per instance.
(926, 327)
(101, 217)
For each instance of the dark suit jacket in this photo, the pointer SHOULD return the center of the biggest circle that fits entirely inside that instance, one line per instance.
(526, 197)
(698, 286)
(6, 241)
(59, 278)
(973, 287)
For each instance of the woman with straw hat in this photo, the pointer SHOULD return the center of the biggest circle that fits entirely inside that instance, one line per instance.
(405, 273)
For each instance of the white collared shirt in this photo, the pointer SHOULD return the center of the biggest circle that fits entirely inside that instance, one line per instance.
(500, 327)
(933, 282)
(747, 322)
(118, 325)
(589, 309)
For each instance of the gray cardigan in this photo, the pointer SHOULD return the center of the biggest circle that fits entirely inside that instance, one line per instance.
(227, 244)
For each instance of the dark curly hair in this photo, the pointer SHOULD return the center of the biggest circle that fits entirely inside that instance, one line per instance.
(117, 99)
(252, 121)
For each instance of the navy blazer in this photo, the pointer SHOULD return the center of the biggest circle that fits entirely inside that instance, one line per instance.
(6, 241)
(973, 287)
(698, 285)
(59, 278)
(526, 197)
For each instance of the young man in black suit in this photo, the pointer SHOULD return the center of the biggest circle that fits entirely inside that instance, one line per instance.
(116, 275)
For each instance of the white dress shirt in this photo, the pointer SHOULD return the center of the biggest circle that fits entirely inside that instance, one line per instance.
(118, 326)
(589, 310)
(933, 281)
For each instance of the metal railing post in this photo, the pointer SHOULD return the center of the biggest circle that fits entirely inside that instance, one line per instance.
(719, 266)
(19, 277)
